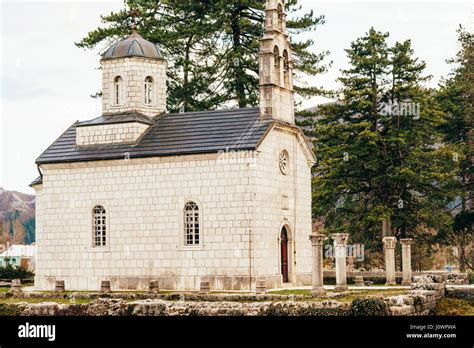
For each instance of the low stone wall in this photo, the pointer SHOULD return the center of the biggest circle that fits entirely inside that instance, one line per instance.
(426, 291)
(457, 278)
(153, 307)
(462, 292)
(378, 277)
(171, 296)
(193, 297)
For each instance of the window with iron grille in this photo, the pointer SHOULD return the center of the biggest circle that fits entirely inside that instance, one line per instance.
(118, 90)
(148, 90)
(99, 221)
(191, 224)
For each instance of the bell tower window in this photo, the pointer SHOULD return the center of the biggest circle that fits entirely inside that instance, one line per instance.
(148, 90)
(277, 78)
(118, 90)
(280, 17)
(286, 68)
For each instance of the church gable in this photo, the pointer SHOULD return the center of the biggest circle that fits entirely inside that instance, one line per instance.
(304, 144)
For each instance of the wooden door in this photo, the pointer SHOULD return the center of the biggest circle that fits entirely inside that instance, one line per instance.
(284, 255)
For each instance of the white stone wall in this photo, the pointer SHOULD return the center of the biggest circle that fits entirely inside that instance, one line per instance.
(144, 200)
(119, 133)
(133, 71)
(283, 200)
(240, 205)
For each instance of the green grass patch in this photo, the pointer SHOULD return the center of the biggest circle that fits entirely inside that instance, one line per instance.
(455, 306)
(13, 300)
(347, 298)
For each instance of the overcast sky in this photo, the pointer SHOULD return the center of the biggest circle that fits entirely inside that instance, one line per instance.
(46, 82)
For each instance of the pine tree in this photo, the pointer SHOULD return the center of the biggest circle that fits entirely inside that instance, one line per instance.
(211, 47)
(379, 152)
(456, 97)
(19, 232)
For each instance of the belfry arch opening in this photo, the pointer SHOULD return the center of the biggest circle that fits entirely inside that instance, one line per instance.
(277, 66)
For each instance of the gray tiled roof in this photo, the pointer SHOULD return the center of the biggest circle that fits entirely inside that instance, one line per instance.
(37, 181)
(170, 135)
(116, 118)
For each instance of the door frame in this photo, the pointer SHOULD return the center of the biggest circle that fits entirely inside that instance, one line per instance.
(290, 251)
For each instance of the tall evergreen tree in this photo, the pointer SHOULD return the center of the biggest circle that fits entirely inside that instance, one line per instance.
(211, 47)
(379, 152)
(456, 97)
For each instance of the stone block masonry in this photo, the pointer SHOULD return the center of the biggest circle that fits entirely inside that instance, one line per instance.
(153, 307)
(240, 206)
(426, 291)
(122, 133)
(465, 292)
(134, 71)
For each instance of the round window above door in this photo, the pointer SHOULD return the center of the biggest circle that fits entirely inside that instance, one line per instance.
(284, 162)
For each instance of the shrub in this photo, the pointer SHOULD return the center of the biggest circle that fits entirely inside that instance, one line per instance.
(9, 272)
(9, 310)
(470, 277)
(369, 307)
(277, 309)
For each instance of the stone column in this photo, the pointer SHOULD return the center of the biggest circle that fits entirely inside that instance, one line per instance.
(317, 271)
(340, 249)
(406, 260)
(389, 249)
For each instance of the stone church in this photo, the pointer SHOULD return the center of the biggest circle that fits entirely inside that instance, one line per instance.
(138, 194)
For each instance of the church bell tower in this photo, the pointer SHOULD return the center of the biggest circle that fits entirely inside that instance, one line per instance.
(276, 68)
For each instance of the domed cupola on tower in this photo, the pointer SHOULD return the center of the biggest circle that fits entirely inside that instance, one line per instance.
(133, 78)
(133, 46)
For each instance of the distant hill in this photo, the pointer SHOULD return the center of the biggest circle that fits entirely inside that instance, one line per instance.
(17, 217)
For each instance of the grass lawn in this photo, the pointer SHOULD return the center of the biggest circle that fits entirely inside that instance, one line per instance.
(4, 289)
(13, 300)
(454, 306)
(347, 298)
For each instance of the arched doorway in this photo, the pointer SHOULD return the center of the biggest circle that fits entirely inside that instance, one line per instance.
(284, 254)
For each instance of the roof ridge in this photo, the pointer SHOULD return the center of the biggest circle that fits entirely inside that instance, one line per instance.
(135, 41)
(213, 111)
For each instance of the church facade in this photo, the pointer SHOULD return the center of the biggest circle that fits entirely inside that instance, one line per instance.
(139, 194)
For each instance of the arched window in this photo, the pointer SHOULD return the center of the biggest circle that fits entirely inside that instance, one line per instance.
(276, 53)
(191, 224)
(286, 68)
(118, 90)
(99, 226)
(148, 90)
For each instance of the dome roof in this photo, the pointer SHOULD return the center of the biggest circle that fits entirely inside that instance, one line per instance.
(133, 46)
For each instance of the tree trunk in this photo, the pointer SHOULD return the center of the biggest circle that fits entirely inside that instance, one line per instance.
(462, 266)
(186, 70)
(237, 64)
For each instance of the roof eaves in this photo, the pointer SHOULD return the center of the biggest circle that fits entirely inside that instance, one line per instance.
(45, 151)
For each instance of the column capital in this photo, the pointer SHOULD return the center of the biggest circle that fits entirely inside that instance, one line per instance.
(340, 238)
(389, 242)
(406, 242)
(317, 238)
